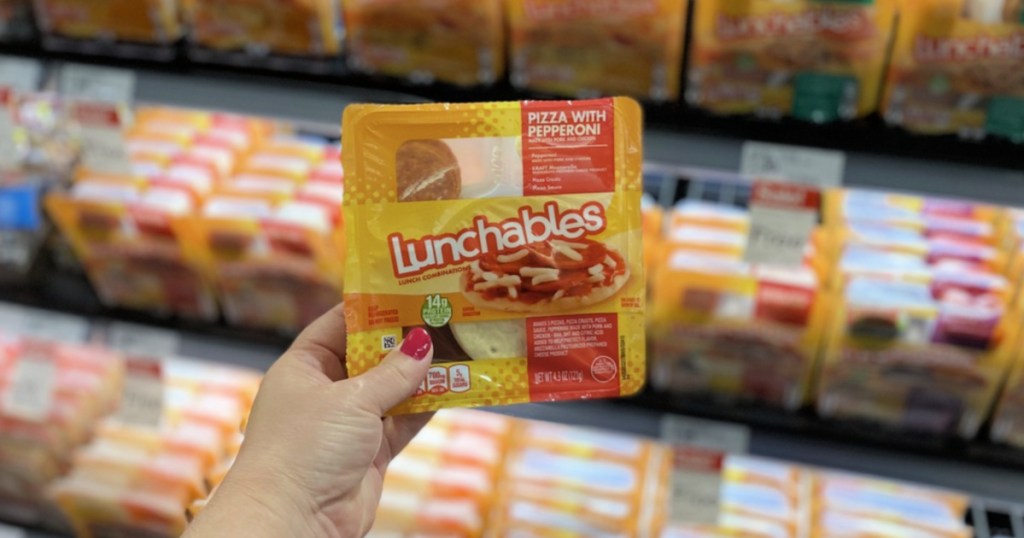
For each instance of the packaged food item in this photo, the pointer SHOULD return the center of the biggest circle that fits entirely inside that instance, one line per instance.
(814, 60)
(512, 231)
(923, 321)
(455, 41)
(16, 20)
(281, 27)
(956, 69)
(143, 21)
(581, 48)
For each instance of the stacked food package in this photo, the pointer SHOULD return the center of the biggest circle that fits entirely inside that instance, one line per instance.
(1008, 420)
(761, 498)
(133, 480)
(923, 325)
(261, 27)
(130, 231)
(140, 21)
(588, 48)
(51, 398)
(15, 20)
(726, 328)
(814, 60)
(565, 481)
(270, 234)
(957, 68)
(456, 41)
(444, 483)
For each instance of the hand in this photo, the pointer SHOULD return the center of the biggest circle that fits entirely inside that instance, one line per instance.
(317, 445)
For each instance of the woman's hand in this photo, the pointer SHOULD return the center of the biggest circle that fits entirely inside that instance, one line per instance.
(317, 445)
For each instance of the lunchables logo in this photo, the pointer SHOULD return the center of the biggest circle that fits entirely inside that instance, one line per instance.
(929, 49)
(411, 257)
(831, 20)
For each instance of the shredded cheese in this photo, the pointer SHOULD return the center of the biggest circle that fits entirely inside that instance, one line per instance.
(513, 293)
(558, 295)
(538, 271)
(514, 257)
(610, 262)
(503, 282)
(542, 279)
(596, 270)
(596, 278)
(475, 267)
(489, 276)
(564, 250)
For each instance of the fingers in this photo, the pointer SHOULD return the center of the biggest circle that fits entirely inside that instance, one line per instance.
(395, 379)
(400, 430)
(322, 345)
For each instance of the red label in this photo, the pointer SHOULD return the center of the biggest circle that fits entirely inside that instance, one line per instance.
(568, 147)
(785, 195)
(143, 367)
(697, 458)
(6, 96)
(97, 114)
(784, 304)
(573, 357)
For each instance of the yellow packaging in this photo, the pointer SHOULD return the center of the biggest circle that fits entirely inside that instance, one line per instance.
(815, 60)
(457, 41)
(585, 48)
(147, 21)
(721, 327)
(957, 68)
(293, 27)
(549, 305)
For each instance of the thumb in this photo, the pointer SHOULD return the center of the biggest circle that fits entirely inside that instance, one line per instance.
(396, 378)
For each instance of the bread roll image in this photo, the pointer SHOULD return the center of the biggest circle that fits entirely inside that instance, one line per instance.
(483, 340)
(427, 170)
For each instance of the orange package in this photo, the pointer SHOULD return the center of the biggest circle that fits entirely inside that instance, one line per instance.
(259, 27)
(814, 60)
(146, 21)
(456, 41)
(586, 48)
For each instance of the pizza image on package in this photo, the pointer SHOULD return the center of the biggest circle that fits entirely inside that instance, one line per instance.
(509, 231)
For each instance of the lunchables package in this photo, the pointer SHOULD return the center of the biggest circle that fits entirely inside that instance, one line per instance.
(261, 27)
(143, 21)
(456, 41)
(924, 322)
(587, 48)
(957, 68)
(814, 60)
(512, 233)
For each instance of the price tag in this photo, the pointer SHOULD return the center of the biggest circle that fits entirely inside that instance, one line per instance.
(140, 340)
(710, 434)
(104, 149)
(142, 395)
(43, 325)
(823, 168)
(8, 151)
(782, 217)
(97, 84)
(31, 391)
(20, 74)
(696, 485)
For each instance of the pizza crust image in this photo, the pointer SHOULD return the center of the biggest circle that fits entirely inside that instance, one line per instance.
(427, 170)
(484, 340)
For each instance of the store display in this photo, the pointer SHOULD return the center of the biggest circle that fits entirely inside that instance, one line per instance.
(923, 326)
(956, 69)
(726, 328)
(278, 27)
(819, 61)
(513, 232)
(592, 48)
(455, 41)
(138, 21)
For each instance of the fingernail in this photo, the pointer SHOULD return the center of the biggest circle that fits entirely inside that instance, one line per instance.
(417, 344)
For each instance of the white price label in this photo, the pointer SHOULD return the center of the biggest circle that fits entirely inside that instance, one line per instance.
(142, 395)
(31, 390)
(709, 434)
(823, 168)
(97, 84)
(104, 149)
(696, 486)
(141, 340)
(782, 217)
(20, 74)
(8, 151)
(42, 324)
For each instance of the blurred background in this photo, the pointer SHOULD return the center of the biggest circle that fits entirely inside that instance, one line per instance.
(170, 193)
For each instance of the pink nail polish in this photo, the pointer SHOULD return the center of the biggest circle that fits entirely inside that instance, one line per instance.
(417, 344)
